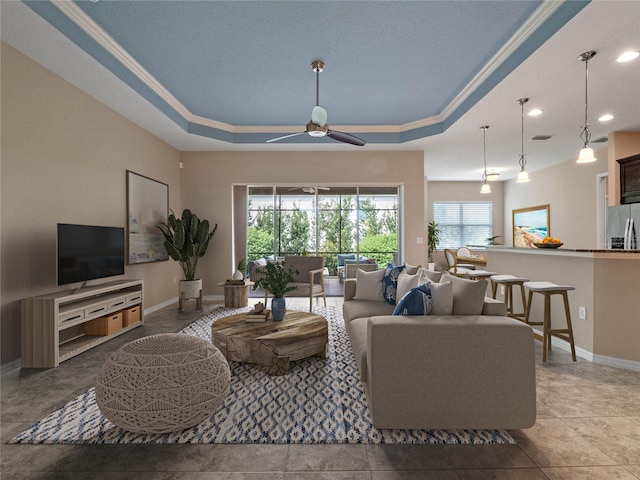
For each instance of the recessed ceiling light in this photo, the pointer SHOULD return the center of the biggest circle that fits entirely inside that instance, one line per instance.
(628, 56)
(605, 118)
(534, 112)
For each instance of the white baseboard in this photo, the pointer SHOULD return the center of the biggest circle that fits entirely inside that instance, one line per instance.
(10, 367)
(214, 298)
(159, 306)
(591, 357)
(17, 364)
(155, 308)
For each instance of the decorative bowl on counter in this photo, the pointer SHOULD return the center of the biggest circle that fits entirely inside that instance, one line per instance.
(548, 245)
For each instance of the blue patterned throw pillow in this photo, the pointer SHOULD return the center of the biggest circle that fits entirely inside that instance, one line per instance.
(416, 302)
(390, 283)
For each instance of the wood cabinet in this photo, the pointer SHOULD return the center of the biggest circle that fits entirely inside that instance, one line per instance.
(61, 325)
(630, 179)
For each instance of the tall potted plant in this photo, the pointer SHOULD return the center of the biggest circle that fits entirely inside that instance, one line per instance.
(186, 240)
(277, 279)
(433, 239)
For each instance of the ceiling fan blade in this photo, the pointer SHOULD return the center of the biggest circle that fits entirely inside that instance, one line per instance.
(286, 136)
(346, 138)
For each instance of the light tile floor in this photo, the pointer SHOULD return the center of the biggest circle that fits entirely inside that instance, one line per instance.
(588, 428)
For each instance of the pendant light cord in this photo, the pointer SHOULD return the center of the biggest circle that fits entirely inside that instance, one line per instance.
(586, 134)
(484, 129)
(484, 151)
(317, 87)
(522, 160)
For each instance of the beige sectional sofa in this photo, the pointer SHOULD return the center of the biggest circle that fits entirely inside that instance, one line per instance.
(456, 371)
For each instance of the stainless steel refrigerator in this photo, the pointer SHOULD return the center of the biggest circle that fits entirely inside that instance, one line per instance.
(623, 223)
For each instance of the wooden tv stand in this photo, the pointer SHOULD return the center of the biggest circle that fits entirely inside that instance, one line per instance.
(53, 325)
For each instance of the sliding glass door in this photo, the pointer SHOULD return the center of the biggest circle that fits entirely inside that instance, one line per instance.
(326, 221)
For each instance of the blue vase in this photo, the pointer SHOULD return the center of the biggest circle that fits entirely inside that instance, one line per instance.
(278, 308)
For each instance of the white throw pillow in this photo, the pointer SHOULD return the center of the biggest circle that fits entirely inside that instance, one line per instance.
(430, 275)
(261, 262)
(441, 298)
(369, 285)
(411, 270)
(468, 295)
(406, 282)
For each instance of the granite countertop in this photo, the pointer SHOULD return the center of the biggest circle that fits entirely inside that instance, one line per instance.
(562, 249)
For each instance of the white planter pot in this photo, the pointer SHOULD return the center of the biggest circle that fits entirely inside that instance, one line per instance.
(432, 266)
(237, 275)
(190, 288)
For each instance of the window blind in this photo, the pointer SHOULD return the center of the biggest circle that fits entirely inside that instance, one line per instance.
(463, 223)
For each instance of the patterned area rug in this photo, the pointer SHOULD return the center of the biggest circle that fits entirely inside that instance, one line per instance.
(321, 401)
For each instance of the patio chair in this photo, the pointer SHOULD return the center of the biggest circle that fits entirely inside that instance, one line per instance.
(309, 281)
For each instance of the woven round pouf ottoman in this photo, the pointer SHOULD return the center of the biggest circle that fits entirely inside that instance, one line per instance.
(162, 383)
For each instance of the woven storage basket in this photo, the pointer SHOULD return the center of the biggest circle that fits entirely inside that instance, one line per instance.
(162, 383)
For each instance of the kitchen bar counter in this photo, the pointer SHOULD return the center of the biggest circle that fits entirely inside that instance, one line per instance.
(607, 284)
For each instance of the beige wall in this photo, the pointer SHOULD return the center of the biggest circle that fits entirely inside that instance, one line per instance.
(208, 179)
(621, 145)
(64, 159)
(466, 192)
(570, 190)
(611, 329)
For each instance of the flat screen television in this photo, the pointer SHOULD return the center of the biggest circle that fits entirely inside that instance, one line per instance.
(88, 252)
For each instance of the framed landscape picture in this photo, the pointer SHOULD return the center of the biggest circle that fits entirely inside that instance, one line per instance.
(530, 225)
(147, 206)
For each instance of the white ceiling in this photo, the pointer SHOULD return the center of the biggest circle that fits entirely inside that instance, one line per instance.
(551, 76)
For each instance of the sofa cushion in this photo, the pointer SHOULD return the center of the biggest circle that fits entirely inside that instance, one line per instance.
(406, 282)
(345, 256)
(430, 274)
(441, 298)
(261, 262)
(369, 285)
(416, 302)
(391, 282)
(358, 338)
(365, 308)
(468, 295)
(411, 270)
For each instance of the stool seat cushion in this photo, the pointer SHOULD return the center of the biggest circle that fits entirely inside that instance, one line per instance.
(546, 286)
(481, 273)
(508, 278)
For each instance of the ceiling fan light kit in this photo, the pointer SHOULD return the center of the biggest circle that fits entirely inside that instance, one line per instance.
(318, 126)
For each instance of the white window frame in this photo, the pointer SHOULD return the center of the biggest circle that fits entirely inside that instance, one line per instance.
(445, 226)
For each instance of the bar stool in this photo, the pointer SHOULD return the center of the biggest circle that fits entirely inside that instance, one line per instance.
(547, 289)
(478, 274)
(509, 281)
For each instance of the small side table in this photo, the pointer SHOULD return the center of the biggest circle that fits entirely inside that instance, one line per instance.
(236, 296)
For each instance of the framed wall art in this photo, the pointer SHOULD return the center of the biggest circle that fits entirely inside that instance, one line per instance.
(147, 206)
(530, 225)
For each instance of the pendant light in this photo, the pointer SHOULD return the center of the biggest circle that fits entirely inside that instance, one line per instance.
(523, 176)
(485, 186)
(586, 153)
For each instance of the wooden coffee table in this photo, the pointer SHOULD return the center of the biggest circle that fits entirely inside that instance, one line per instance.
(271, 345)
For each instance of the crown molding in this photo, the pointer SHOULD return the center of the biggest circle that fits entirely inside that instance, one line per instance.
(533, 23)
(95, 31)
(89, 26)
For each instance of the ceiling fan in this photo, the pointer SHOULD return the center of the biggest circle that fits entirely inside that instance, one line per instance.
(318, 126)
(309, 189)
